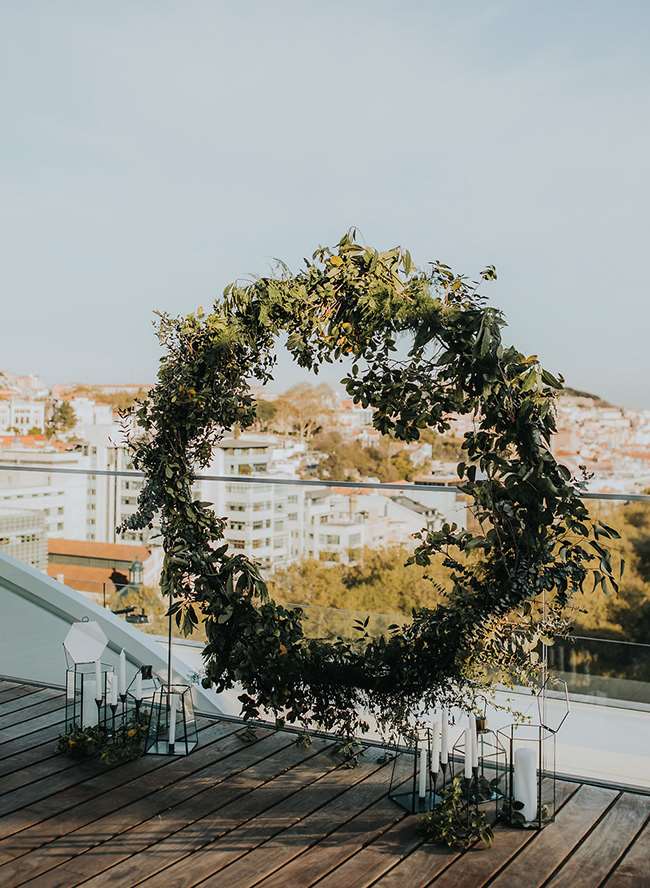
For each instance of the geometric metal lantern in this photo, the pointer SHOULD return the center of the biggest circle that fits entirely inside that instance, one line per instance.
(172, 726)
(418, 773)
(530, 774)
(85, 642)
(85, 700)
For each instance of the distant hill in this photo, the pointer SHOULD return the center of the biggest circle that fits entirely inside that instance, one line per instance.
(568, 392)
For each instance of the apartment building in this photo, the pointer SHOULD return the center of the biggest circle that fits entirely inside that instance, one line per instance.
(23, 536)
(61, 498)
(20, 415)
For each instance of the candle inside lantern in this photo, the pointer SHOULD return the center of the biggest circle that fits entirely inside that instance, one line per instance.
(69, 685)
(137, 692)
(422, 786)
(468, 754)
(444, 739)
(435, 747)
(111, 689)
(89, 704)
(122, 673)
(173, 703)
(474, 734)
(98, 680)
(524, 781)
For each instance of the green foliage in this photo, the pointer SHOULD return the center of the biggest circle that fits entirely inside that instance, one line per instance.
(347, 460)
(96, 742)
(454, 822)
(531, 533)
(63, 419)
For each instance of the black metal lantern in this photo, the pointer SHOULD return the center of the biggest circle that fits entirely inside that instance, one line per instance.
(480, 770)
(172, 726)
(530, 777)
(419, 770)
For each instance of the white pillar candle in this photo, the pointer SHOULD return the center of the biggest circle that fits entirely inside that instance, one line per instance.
(138, 686)
(468, 754)
(89, 704)
(99, 690)
(173, 702)
(111, 689)
(69, 685)
(122, 673)
(435, 747)
(422, 786)
(444, 739)
(474, 734)
(524, 784)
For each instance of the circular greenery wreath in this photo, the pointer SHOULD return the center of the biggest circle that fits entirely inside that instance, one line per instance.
(531, 532)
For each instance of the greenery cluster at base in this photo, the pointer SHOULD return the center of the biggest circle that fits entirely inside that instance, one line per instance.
(456, 821)
(95, 741)
(424, 345)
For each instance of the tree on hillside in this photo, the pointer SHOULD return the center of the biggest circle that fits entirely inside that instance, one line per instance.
(63, 419)
(304, 408)
(265, 412)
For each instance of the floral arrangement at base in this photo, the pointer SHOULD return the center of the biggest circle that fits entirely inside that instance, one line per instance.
(95, 742)
(455, 823)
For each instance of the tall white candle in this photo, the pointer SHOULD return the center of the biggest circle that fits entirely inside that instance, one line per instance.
(69, 685)
(473, 732)
(111, 689)
(122, 673)
(422, 785)
(138, 686)
(99, 691)
(468, 754)
(89, 704)
(444, 739)
(435, 747)
(173, 702)
(524, 784)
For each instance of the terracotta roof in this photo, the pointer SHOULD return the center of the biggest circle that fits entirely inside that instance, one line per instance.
(84, 579)
(89, 549)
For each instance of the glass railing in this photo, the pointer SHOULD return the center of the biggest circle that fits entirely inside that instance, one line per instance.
(336, 549)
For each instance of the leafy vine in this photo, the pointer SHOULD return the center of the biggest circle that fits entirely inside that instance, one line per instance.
(424, 345)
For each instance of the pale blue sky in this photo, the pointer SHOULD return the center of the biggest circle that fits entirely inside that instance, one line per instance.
(152, 151)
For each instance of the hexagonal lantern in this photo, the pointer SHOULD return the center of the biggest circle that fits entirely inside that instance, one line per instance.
(87, 678)
(85, 642)
(530, 797)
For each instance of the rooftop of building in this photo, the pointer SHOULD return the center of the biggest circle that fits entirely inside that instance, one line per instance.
(89, 549)
(262, 810)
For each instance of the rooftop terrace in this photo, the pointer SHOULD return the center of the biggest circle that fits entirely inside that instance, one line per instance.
(267, 812)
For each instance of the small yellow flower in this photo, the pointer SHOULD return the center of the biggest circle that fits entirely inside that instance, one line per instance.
(336, 260)
(131, 732)
(283, 649)
(72, 743)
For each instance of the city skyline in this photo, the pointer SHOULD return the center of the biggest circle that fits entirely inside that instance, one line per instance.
(489, 134)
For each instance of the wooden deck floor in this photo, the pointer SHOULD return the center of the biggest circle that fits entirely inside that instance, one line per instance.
(268, 813)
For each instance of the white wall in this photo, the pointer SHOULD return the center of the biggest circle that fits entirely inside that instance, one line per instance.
(36, 613)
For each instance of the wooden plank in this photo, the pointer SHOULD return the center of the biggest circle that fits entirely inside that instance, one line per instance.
(25, 717)
(86, 801)
(25, 758)
(24, 729)
(63, 862)
(592, 862)
(29, 741)
(16, 692)
(156, 844)
(339, 846)
(237, 828)
(49, 765)
(28, 700)
(632, 870)
(549, 847)
(339, 801)
(478, 865)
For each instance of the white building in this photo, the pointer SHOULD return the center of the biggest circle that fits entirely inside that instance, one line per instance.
(23, 536)
(60, 497)
(90, 413)
(21, 415)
